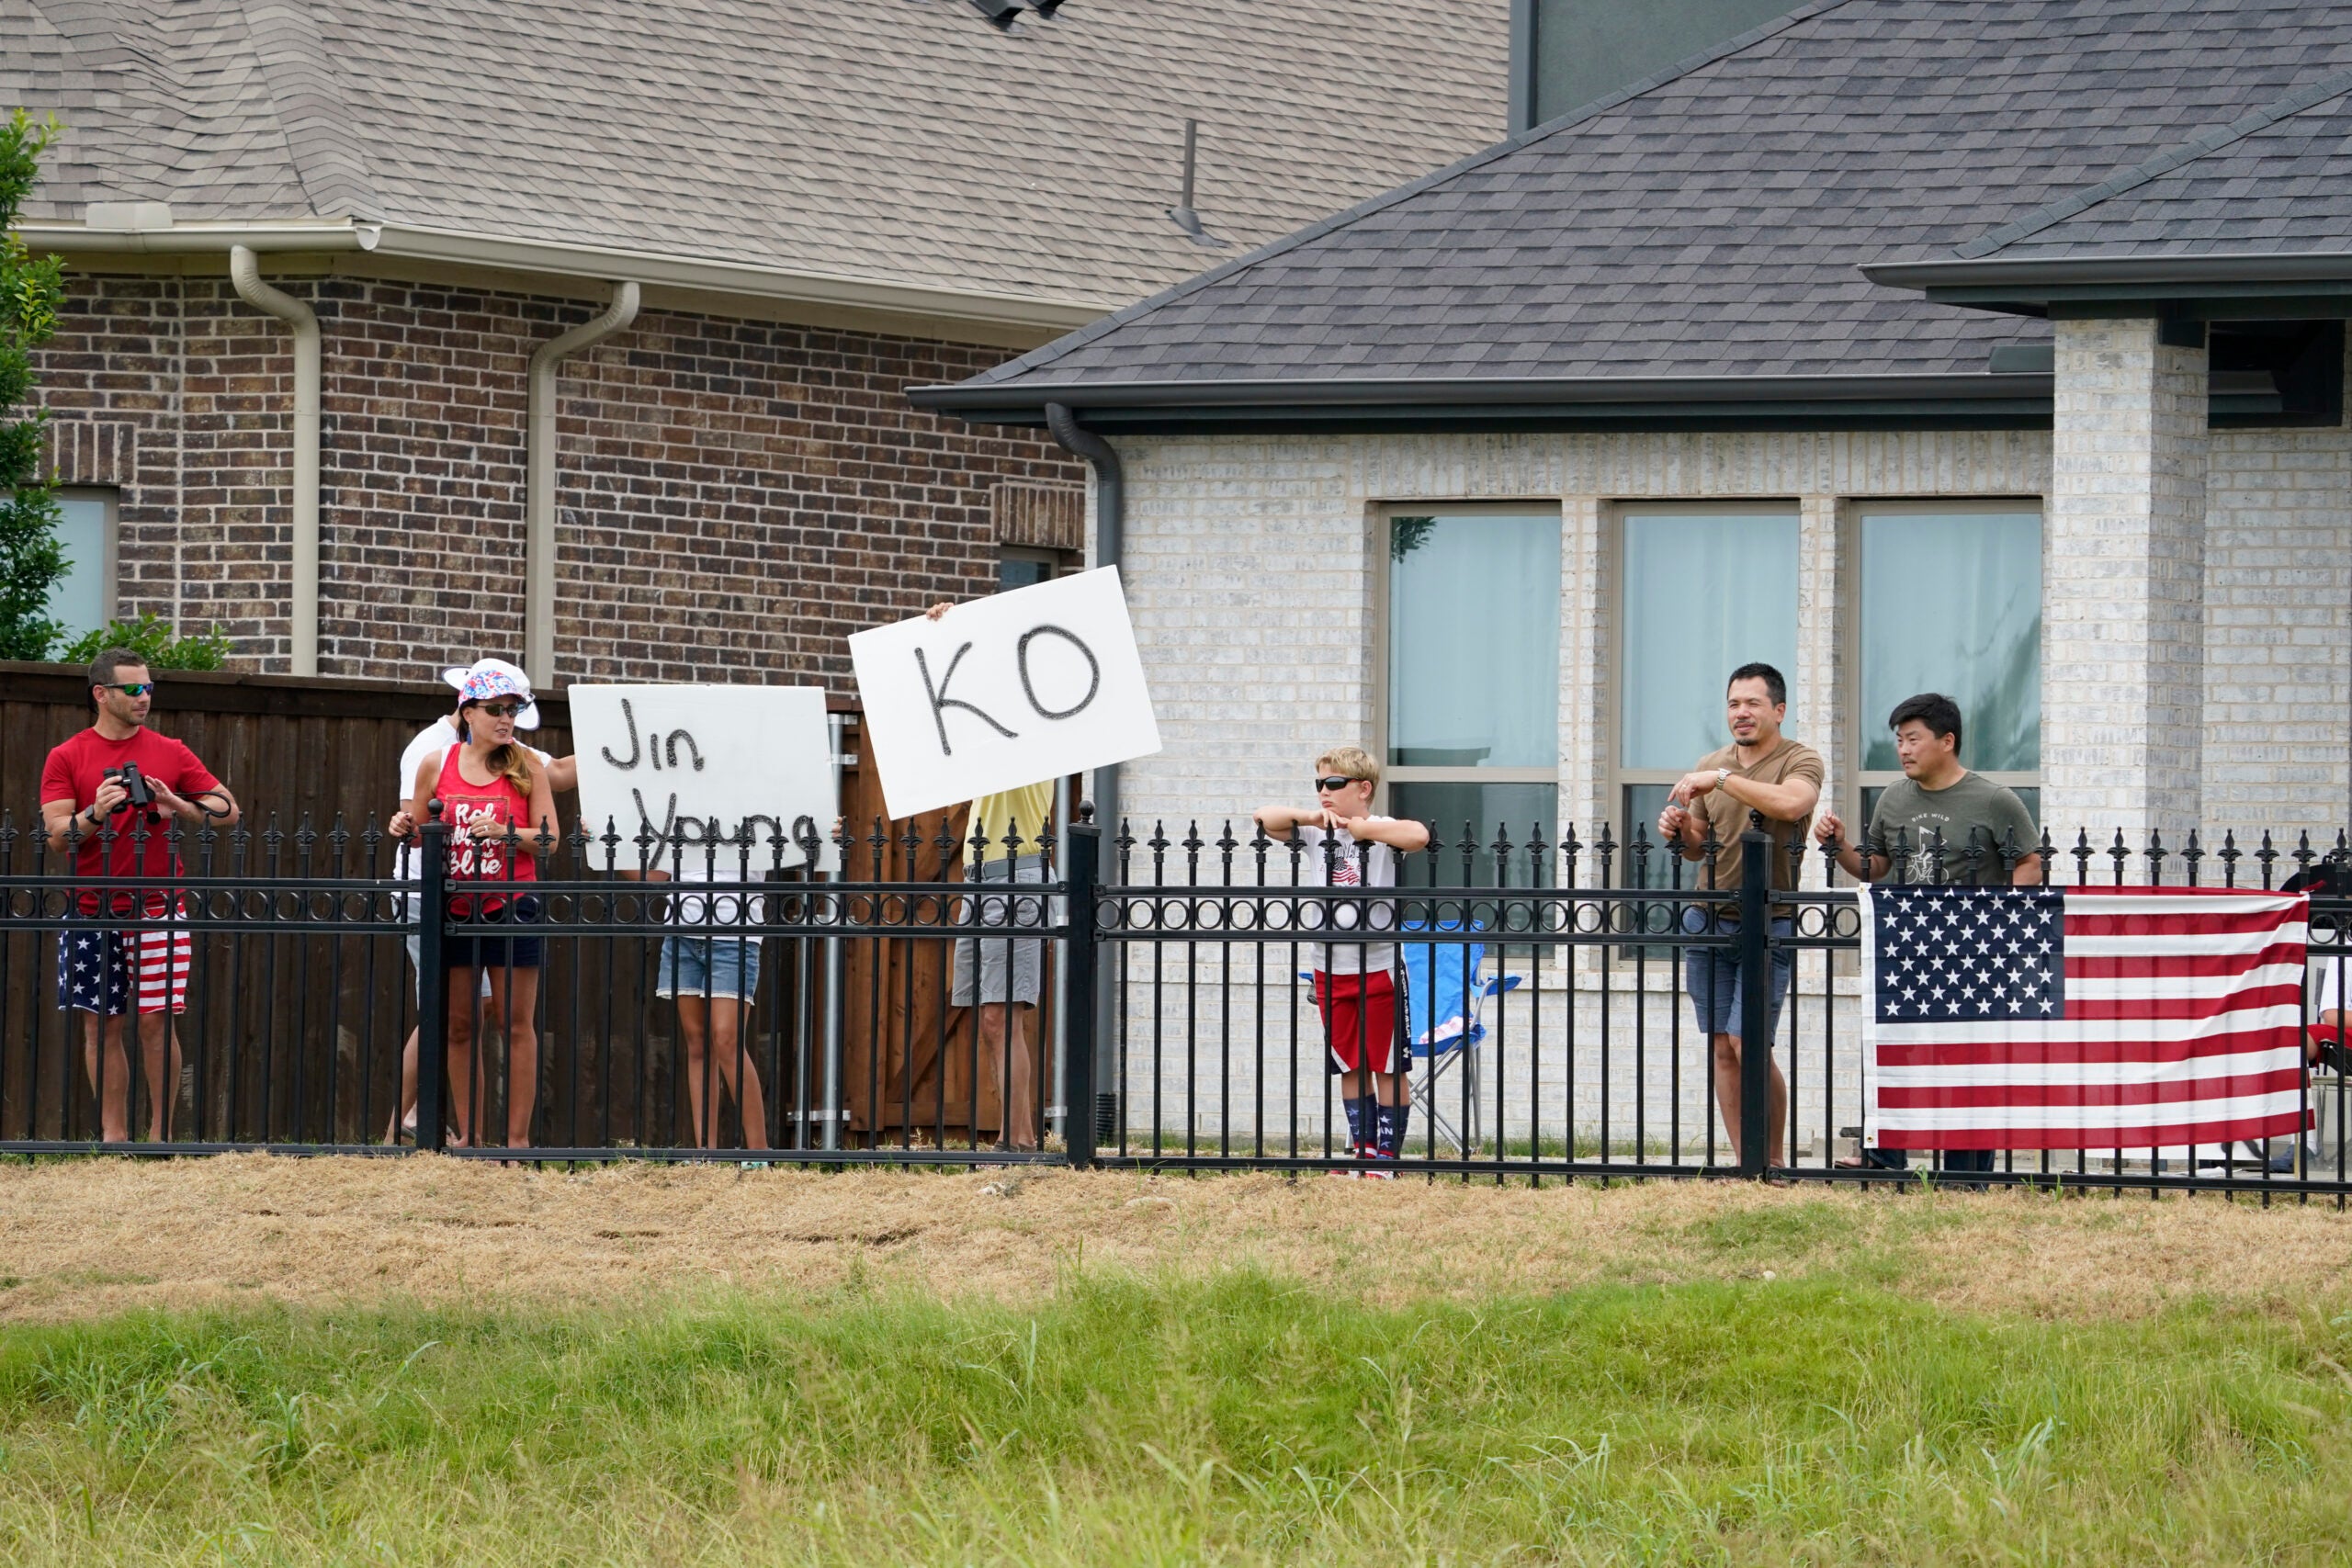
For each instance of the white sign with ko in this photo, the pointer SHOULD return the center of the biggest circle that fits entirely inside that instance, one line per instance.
(1002, 691)
(691, 762)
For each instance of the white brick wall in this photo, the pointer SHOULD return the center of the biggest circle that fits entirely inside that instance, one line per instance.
(2278, 595)
(2123, 674)
(1249, 567)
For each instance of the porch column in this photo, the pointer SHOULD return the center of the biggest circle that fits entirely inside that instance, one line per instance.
(2123, 603)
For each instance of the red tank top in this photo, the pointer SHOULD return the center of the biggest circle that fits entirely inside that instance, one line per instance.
(483, 859)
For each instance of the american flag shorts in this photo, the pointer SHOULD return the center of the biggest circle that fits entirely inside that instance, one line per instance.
(98, 968)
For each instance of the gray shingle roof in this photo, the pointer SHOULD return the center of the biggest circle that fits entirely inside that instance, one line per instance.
(2278, 181)
(899, 140)
(1710, 223)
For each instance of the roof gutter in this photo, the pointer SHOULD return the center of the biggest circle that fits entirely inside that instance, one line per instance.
(1500, 403)
(244, 271)
(2296, 266)
(163, 237)
(539, 512)
(2136, 285)
(160, 236)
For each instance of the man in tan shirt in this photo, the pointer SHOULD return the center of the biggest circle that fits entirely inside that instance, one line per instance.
(1764, 772)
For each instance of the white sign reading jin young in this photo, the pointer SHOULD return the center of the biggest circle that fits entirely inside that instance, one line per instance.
(1003, 691)
(691, 763)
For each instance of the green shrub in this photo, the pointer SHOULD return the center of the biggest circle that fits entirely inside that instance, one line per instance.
(150, 637)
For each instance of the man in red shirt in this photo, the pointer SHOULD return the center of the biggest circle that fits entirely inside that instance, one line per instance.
(137, 942)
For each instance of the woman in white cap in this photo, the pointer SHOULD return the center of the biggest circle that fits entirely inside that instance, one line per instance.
(432, 741)
(500, 806)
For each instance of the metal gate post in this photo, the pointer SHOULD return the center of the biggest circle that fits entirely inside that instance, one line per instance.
(431, 982)
(1084, 874)
(1755, 1000)
(836, 1010)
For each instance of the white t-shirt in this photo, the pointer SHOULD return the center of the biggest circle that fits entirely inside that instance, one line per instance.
(694, 863)
(1347, 863)
(2325, 997)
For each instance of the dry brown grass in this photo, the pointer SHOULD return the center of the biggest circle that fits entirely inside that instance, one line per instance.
(89, 1237)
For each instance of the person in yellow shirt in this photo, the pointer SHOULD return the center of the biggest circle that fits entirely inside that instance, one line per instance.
(1000, 974)
(1005, 841)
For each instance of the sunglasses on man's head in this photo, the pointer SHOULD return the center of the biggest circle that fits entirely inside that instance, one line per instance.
(501, 710)
(131, 688)
(1335, 782)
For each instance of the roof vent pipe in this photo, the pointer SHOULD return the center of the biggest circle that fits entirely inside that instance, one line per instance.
(246, 273)
(538, 507)
(1110, 501)
(1187, 218)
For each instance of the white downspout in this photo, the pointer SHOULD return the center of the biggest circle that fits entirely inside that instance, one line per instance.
(246, 273)
(539, 524)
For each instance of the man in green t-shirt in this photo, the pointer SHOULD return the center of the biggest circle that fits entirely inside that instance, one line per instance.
(1765, 772)
(1982, 823)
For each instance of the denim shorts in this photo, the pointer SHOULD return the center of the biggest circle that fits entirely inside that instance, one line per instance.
(484, 945)
(1712, 973)
(709, 966)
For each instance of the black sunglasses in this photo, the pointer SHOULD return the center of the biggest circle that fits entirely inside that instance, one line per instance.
(1336, 782)
(130, 688)
(501, 710)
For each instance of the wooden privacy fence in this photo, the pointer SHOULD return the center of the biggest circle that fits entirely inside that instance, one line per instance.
(313, 763)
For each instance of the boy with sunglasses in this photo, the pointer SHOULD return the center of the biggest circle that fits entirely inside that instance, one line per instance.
(130, 952)
(1359, 985)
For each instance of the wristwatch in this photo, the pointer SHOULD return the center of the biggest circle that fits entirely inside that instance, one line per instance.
(1721, 774)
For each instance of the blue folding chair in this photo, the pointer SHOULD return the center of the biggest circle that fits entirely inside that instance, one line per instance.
(1446, 1003)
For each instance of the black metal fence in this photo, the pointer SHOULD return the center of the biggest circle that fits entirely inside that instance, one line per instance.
(1575, 1051)
(857, 999)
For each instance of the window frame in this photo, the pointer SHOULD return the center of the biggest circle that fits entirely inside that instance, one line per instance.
(109, 499)
(1855, 727)
(1377, 534)
(1057, 561)
(1620, 778)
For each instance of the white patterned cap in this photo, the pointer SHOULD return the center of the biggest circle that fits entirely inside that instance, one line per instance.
(458, 675)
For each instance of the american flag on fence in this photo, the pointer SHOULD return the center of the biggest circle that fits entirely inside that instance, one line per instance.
(2117, 1018)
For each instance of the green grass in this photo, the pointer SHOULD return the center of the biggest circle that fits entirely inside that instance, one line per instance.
(1240, 1419)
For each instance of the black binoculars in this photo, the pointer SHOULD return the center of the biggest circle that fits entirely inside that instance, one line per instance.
(134, 785)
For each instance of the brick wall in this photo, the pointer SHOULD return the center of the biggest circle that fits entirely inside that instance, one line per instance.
(114, 367)
(2122, 676)
(2278, 648)
(735, 497)
(1249, 571)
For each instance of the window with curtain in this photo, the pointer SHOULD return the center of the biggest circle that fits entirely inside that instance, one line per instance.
(1702, 590)
(1474, 677)
(82, 599)
(1951, 602)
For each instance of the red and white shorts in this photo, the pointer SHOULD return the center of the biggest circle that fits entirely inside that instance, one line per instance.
(1360, 1020)
(99, 970)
